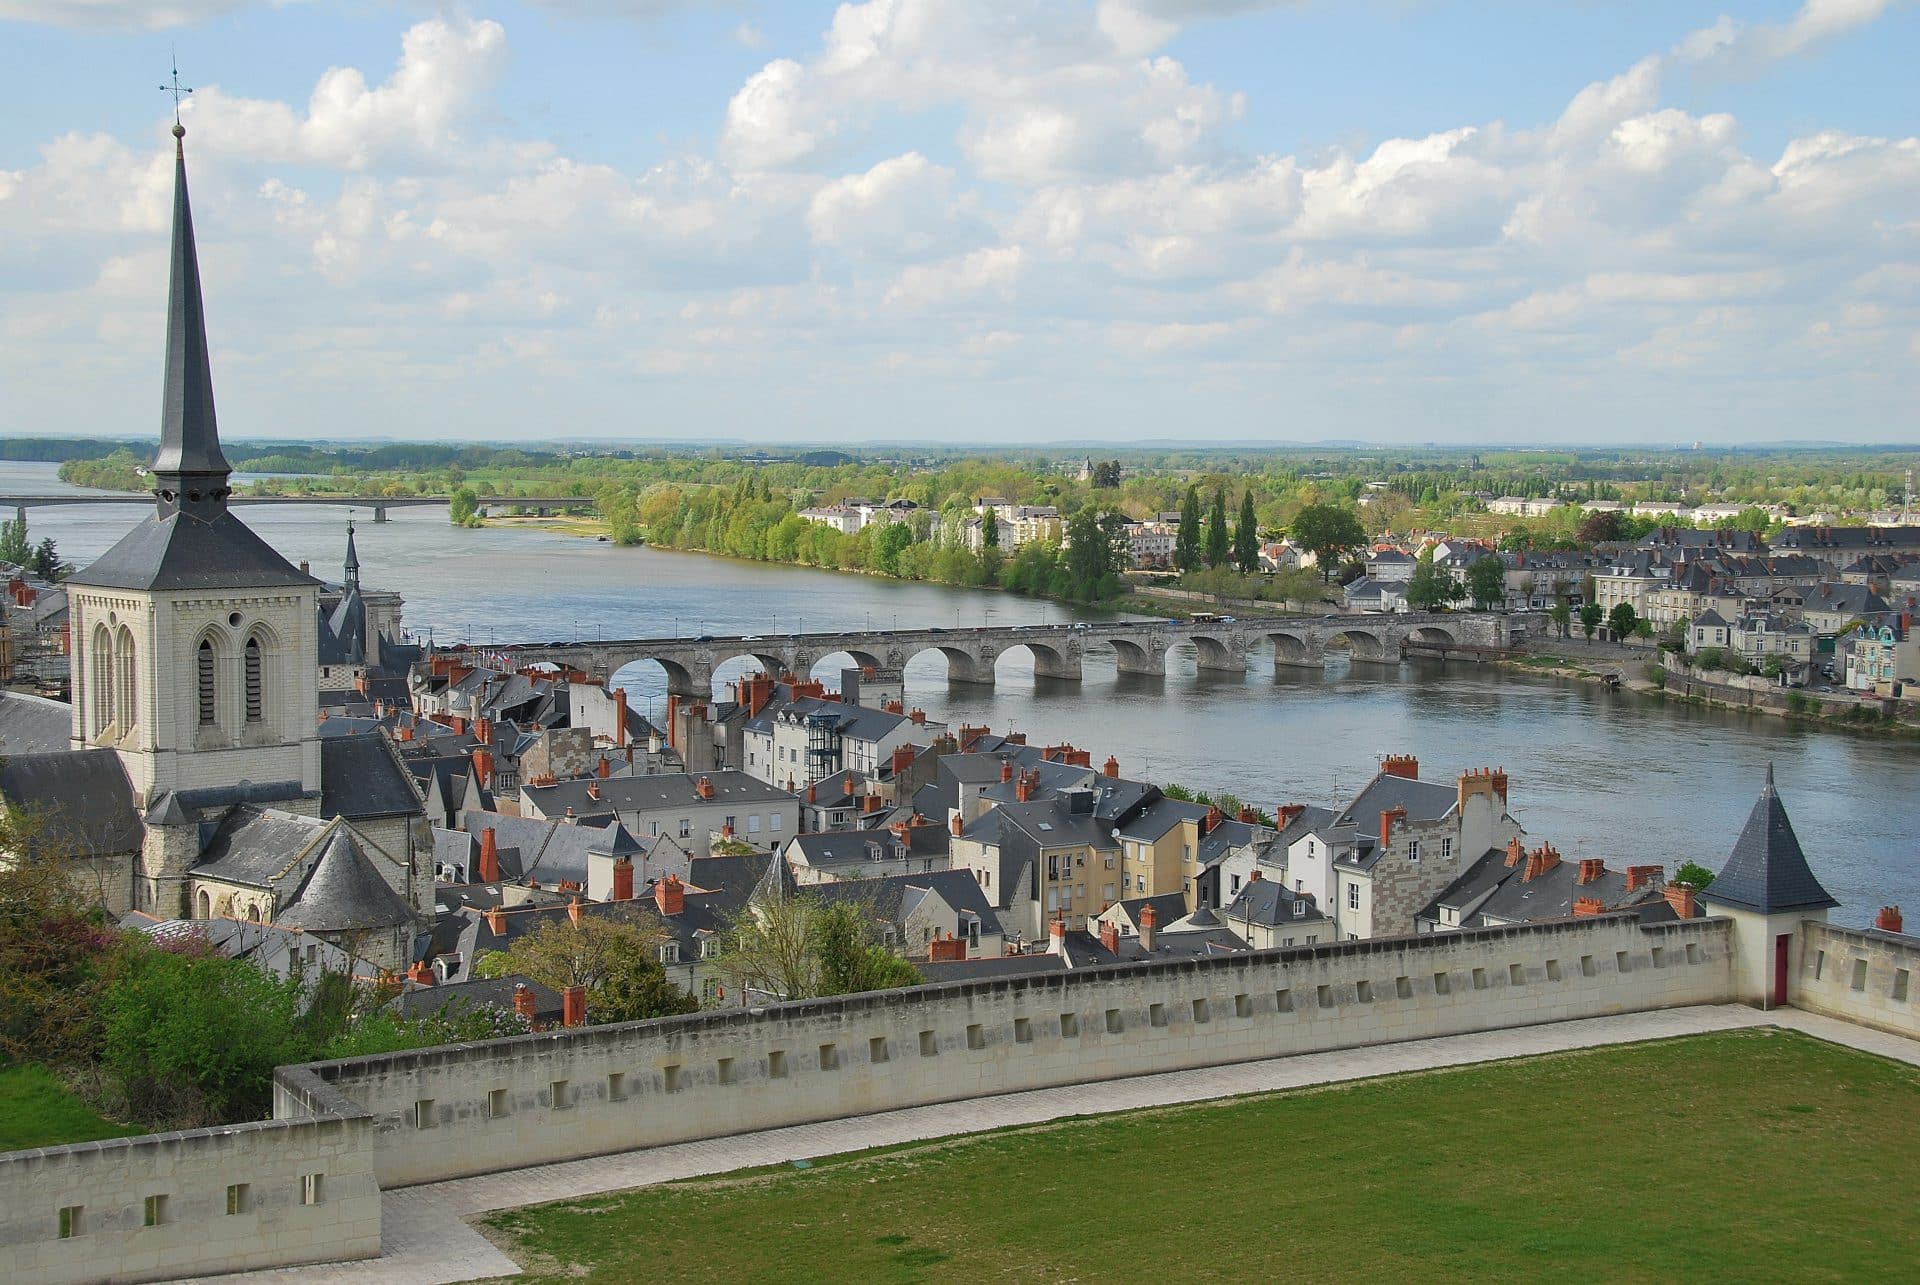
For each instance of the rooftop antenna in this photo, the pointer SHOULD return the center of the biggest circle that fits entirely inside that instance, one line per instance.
(176, 88)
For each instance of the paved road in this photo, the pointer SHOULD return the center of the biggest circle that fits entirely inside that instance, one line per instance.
(427, 1239)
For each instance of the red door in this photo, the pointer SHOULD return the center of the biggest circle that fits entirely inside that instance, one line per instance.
(1780, 967)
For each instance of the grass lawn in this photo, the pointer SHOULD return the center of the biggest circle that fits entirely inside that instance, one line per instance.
(37, 1111)
(1754, 1154)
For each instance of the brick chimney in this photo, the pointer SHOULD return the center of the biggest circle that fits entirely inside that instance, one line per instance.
(1023, 790)
(948, 950)
(489, 857)
(1641, 876)
(847, 786)
(1006, 770)
(605, 769)
(958, 825)
(1889, 921)
(704, 788)
(523, 1001)
(421, 974)
(1539, 862)
(1248, 816)
(483, 767)
(1514, 852)
(918, 715)
(620, 716)
(1389, 817)
(902, 758)
(497, 921)
(1211, 822)
(1682, 901)
(593, 792)
(872, 803)
(573, 1006)
(811, 793)
(573, 910)
(623, 880)
(1056, 934)
(1149, 926)
(1591, 868)
(1286, 812)
(1587, 908)
(670, 895)
(1110, 935)
(1402, 765)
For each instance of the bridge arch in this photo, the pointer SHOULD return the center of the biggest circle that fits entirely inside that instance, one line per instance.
(1437, 634)
(1296, 647)
(1364, 644)
(1130, 657)
(1049, 661)
(963, 666)
(731, 668)
(658, 676)
(1217, 654)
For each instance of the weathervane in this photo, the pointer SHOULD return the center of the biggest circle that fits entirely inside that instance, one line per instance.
(176, 89)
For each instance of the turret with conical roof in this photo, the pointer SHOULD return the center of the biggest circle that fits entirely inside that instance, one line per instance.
(1768, 873)
(1767, 889)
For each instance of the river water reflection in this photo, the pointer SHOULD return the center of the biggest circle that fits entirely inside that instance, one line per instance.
(1630, 778)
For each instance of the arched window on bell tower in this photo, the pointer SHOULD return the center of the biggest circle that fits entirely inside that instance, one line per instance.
(206, 669)
(125, 656)
(100, 675)
(255, 682)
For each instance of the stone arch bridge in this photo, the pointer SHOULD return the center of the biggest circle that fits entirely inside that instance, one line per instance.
(1139, 647)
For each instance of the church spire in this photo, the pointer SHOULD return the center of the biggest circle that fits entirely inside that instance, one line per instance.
(190, 473)
(352, 578)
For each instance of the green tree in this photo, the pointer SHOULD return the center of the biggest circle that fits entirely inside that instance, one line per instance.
(1487, 581)
(889, 545)
(192, 1037)
(1246, 537)
(1219, 539)
(1429, 586)
(1623, 620)
(1599, 527)
(1089, 557)
(1562, 617)
(462, 508)
(14, 547)
(1186, 542)
(1590, 618)
(851, 959)
(616, 960)
(1693, 875)
(989, 530)
(1327, 531)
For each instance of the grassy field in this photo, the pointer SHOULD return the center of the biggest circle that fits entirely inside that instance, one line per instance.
(1750, 1155)
(37, 1111)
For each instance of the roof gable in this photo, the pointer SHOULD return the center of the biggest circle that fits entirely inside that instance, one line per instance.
(1767, 871)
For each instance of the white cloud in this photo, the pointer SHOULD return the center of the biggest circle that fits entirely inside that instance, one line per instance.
(123, 15)
(992, 270)
(1736, 45)
(445, 66)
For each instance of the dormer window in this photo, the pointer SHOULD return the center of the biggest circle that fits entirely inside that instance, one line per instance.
(670, 953)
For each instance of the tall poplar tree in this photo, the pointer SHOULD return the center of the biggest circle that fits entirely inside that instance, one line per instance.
(1219, 543)
(1186, 545)
(1246, 540)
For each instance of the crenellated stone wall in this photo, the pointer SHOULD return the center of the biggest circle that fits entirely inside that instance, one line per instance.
(1859, 976)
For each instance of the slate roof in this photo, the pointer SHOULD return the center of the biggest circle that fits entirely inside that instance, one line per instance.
(659, 790)
(361, 777)
(1767, 872)
(980, 970)
(1267, 902)
(896, 898)
(83, 795)
(425, 1001)
(181, 551)
(33, 724)
(343, 891)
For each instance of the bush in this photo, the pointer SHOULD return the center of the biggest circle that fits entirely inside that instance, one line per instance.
(1657, 675)
(1798, 702)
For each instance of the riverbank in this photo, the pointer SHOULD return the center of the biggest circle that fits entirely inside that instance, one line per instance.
(1649, 676)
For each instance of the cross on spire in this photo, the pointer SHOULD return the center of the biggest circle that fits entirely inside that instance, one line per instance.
(178, 91)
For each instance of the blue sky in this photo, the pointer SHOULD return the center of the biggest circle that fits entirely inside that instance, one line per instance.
(1001, 220)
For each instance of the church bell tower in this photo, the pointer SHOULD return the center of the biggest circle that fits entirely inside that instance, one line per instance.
(194, 641)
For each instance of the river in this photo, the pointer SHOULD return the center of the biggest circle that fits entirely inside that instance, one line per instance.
(1630, 778)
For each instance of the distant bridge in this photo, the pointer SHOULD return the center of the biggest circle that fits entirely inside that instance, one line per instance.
(1058, 651)
(543, 505)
